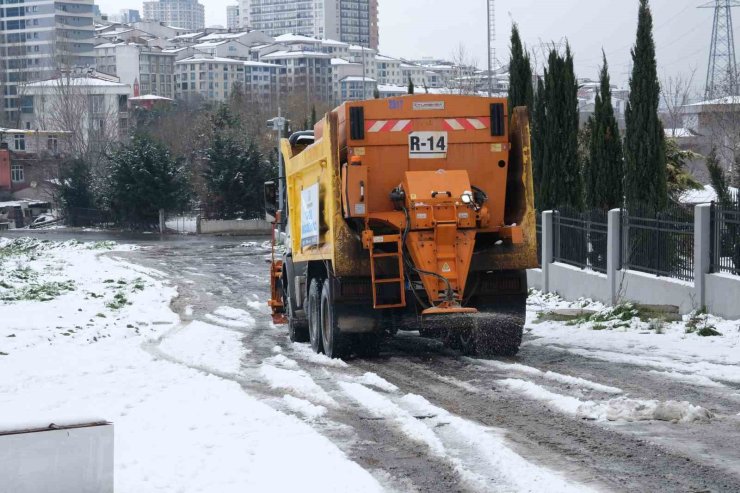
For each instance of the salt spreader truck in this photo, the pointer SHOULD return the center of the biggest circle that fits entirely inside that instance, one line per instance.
(409, 213)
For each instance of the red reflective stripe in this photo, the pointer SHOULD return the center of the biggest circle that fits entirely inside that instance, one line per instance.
(486, 121)
(389, 126)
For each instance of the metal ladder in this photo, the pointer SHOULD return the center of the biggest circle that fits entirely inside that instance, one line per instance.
(377, 283)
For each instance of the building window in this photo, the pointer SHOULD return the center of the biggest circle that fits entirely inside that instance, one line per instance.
(52, 144)
(20, 142)
(16, 173)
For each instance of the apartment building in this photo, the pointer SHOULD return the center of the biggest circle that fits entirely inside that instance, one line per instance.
(350, 21)
(308, 71)
(233, 19)
(144, 69)
(38, 37)
(185, 14)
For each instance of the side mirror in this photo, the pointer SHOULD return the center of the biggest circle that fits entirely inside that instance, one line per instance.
(271, 200)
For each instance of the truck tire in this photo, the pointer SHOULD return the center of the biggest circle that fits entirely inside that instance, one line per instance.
(297, 329)
(314, 316)
(336, 344)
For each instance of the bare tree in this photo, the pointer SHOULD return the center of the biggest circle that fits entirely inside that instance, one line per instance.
(676, 92)
(463, 79)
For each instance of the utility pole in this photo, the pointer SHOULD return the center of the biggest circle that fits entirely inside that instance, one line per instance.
(491, 44)
(722, 69)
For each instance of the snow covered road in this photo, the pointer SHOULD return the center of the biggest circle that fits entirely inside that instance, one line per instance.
(207, 395)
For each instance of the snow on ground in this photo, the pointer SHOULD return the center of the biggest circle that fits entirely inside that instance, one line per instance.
(676, 349)
(76, 340)
(619, 409)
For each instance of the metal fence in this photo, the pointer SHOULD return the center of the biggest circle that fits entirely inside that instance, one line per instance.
(581, 238)
(538, 215)
(725, 243)
(659, 243)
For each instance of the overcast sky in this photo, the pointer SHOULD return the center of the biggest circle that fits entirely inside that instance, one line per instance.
(435, 28)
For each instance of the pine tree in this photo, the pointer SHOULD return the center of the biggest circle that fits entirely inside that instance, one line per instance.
(645, 161)
(75, 190)
(561, 173)
(411, 86)
(603, 174)
(521, 92)
(718, 178)
(376, 93)
(145, 178)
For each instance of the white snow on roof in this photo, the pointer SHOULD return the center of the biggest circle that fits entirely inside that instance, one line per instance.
(342, 61)
(354, 78)
(76, 81)
(296, 54)
(150, 97)
(295, 38)
(729, 100)
(679, 133)
(208, 59)
(261, 64)
(704, 196)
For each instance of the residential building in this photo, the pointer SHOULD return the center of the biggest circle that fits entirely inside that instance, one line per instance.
(389, 71)
(208, 77)
(350, 21)
(92, 106)
(129, 16)
(39, 37)
(233, 19)
(355, 88)
(145, 70)
(308, 71)
(186, 14)
(25, 158)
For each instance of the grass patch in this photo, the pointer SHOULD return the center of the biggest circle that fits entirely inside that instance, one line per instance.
(699, 324)
(47, 291)
(119, 301)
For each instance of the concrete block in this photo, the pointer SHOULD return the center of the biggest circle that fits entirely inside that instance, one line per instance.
(66, 460)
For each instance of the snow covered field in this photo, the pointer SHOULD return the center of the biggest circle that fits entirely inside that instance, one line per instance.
(82, 352)
(207, 396)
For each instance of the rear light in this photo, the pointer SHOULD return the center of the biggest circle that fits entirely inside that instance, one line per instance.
(498, 122)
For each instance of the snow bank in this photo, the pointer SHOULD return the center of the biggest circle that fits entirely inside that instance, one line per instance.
(297, 381)
(303, 407)
(376, 381)
(619, 409)
(206, 346)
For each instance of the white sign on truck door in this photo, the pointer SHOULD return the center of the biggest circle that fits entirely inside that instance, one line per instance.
(428, 145)
(310, 220)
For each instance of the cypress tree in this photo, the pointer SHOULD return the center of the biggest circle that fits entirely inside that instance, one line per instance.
(538, 145)
(521, 92)
(411, 86)
(561, 173)
(603, 173)
(644, 152)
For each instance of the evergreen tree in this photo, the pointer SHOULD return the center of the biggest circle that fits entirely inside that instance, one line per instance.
(75, 190)
(521, 92)
(603, 174)
(145, 178)
(718, 178)
(538, 144)
(376, 93)
(313, 116)
(234, 176)
(411, 86)
(560, 169)
(645, 160)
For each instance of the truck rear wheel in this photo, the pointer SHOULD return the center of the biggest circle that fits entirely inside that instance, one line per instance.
(314, 316)
(336, 344)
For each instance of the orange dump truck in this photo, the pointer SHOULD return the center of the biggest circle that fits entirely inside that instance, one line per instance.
(410, 213)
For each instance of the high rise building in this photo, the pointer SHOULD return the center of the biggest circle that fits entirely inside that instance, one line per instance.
(129, 16)
(233, 20)
(350, 21)
(38, 38)
(187, 14)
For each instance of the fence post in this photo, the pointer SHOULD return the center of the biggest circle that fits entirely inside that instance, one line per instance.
(702, 251)
(613, 253)
(548, 243)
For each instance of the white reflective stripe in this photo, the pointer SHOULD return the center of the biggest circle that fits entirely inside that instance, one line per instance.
(477, 124)
(455, 125)
(400, 125)
(378, 126)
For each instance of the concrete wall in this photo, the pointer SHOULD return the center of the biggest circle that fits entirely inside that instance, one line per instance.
(74, 460)
(723, 295)
(719, 293)
(257, 227)
(573, 283)
(647, 289)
